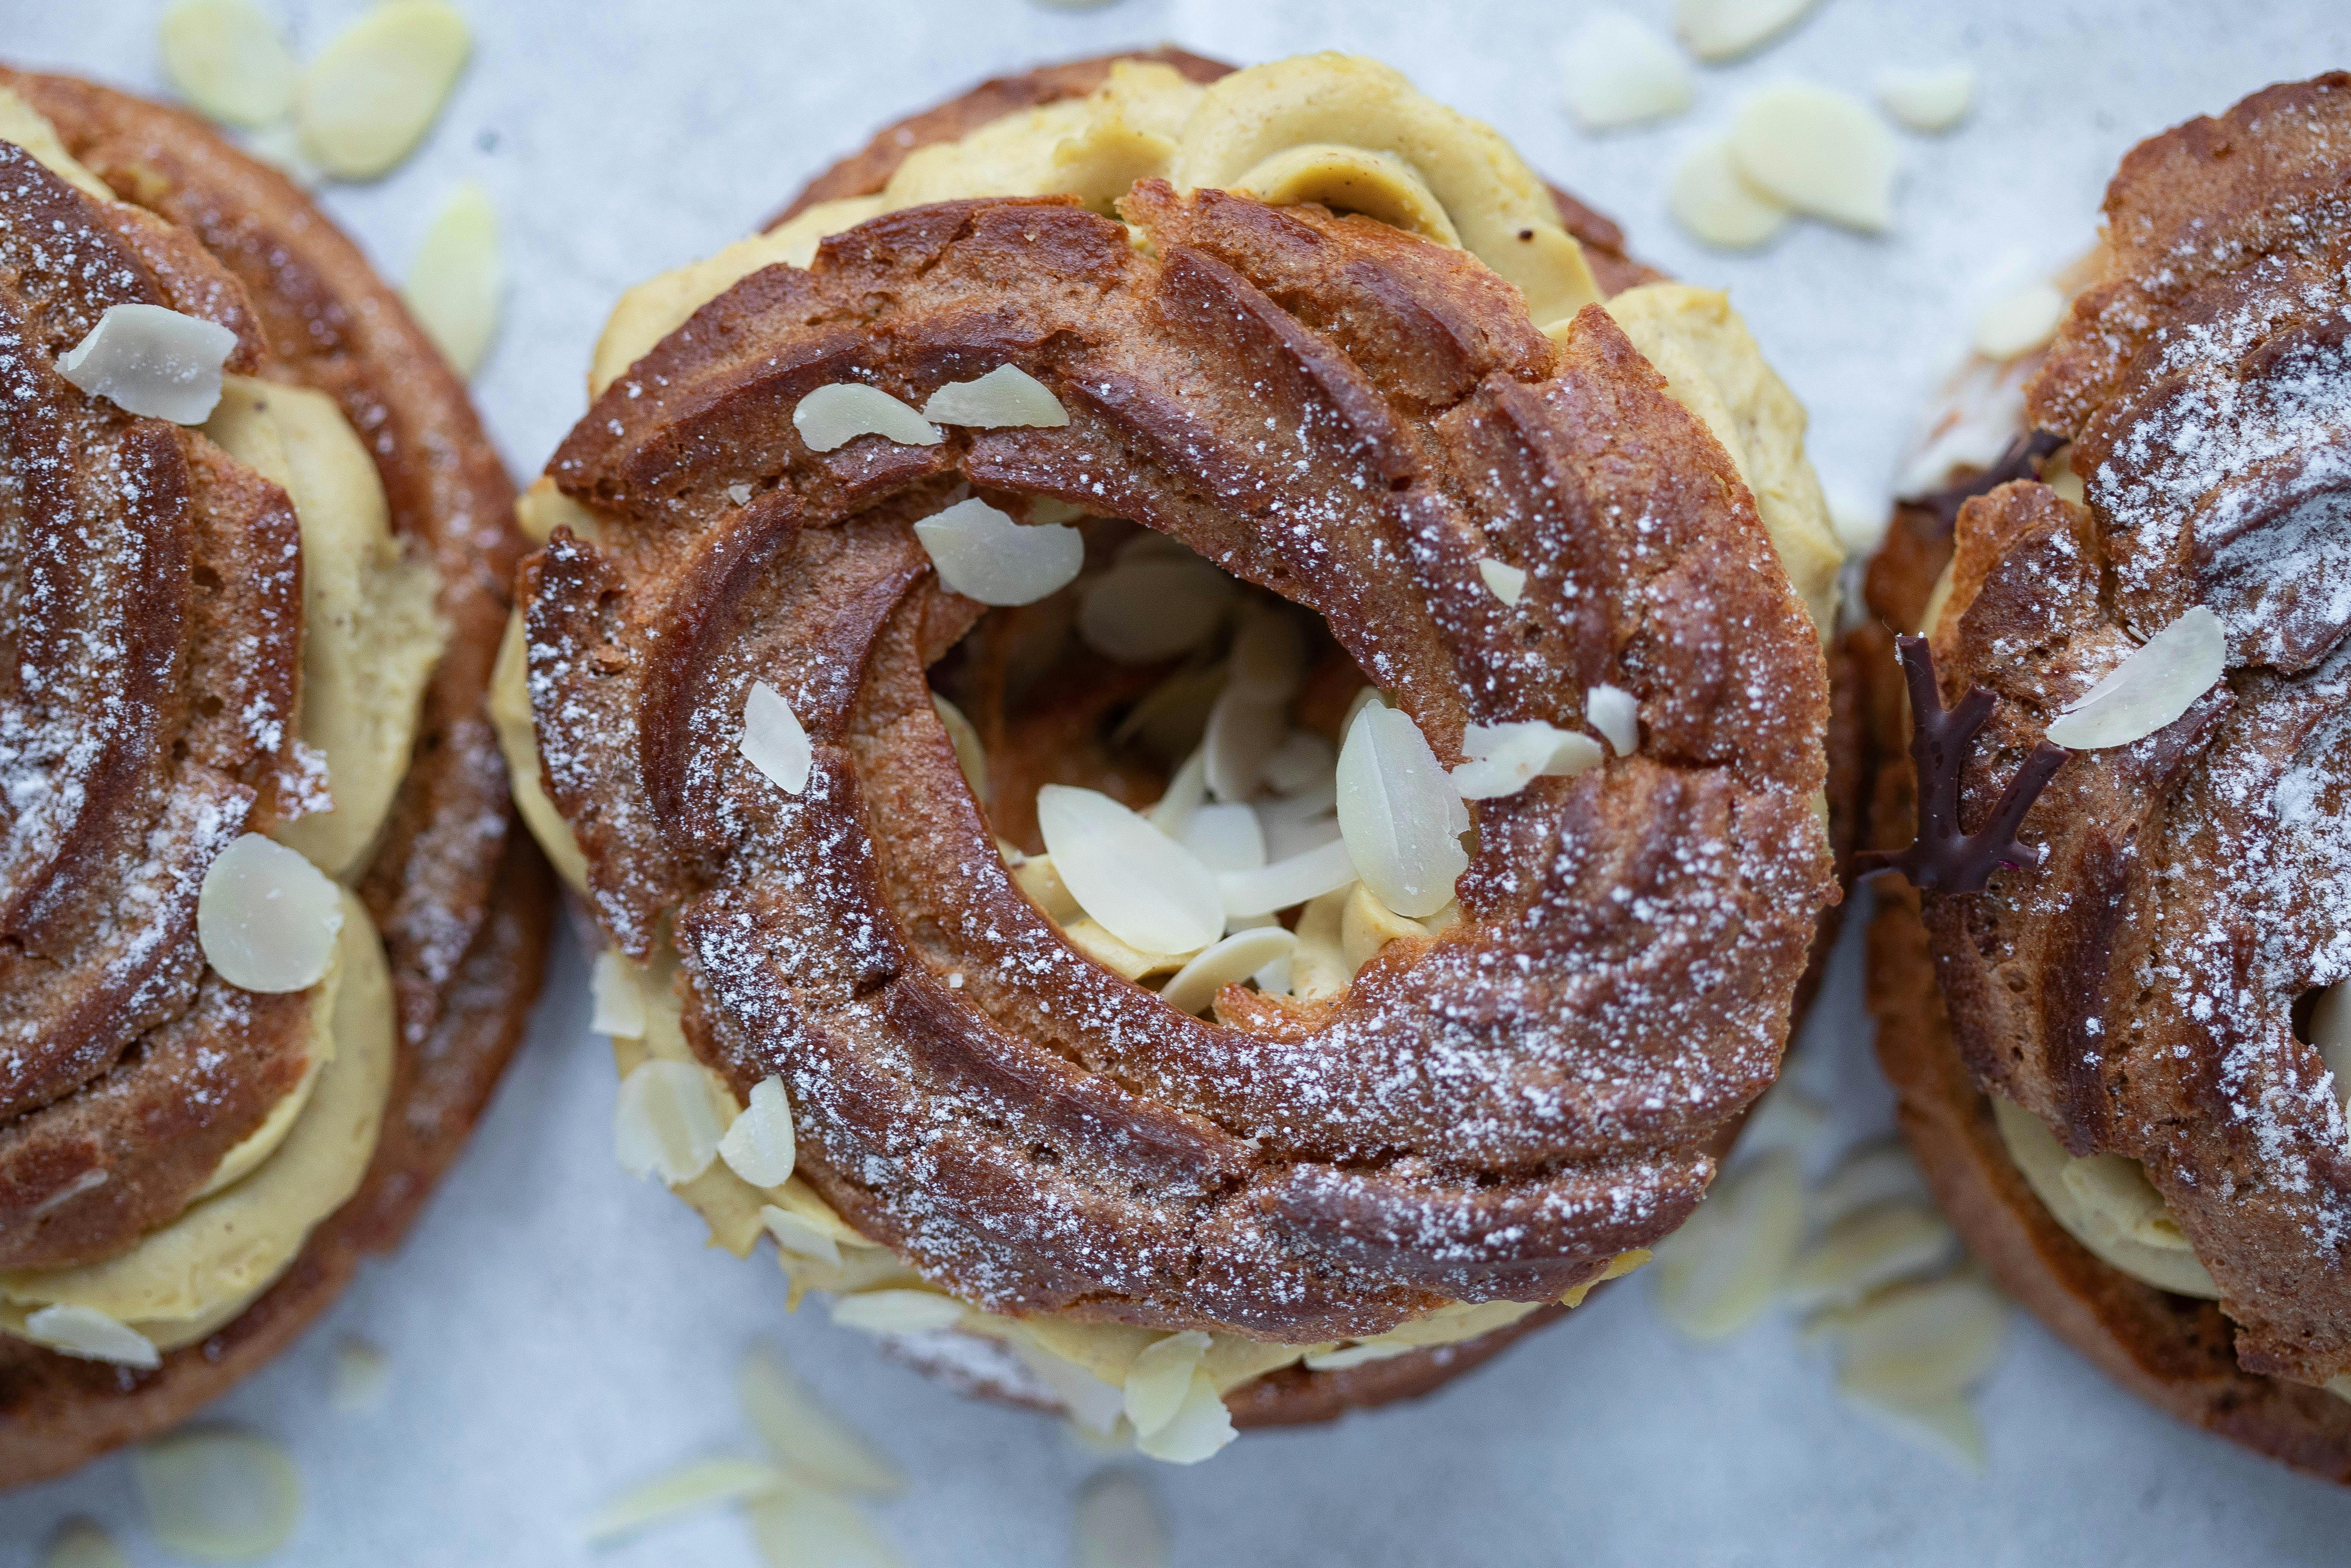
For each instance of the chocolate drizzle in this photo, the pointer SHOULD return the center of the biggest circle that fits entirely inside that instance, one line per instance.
(2020, 460)
(1940, 856)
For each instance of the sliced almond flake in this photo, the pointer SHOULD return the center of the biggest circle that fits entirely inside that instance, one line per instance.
(1872, 1173)
(1304, 762)
(667, 1121)
(1173, 812)
(1949, 1425)
(971, 757)
(1093, 1406)
(1620, 72)
(2152, 686)
(1506, 582)
(1121, 958)
(1269, 659)
(1615, 713)
(1318, 970)
(801, 1526)
(1161, 1377)
(836, 414)
(1366, 925)
(1717, 205)
(1873, 1246)
(705, 1483)
(218, 1495)
(1142, 886)
(88, 1334)
(1200, 1426)
(1359, 1354)
(800, 1237)
(620, 1005)
(773, 741)
(1005, 397)
(265, 917)
(227, 58)
(2016, 324)
(1036, 877)
(1399, 815)
(1717, 1272)
(1303, 822)
(1226, 837)
(362, 1377)
(368, 100)
(801, 1430)
(757, 1145)
(1366, 697)
(155, 363)
(1504, 758)
(1150, 608)
(1919, 1341)
(84, 1543)
(1119, 1525)
(896, 1311)
(1720, 29)
(453, 286)
(983, 554)
(1296, 879)
(1931, 99)
(1226, 963)
(1244, 730)
(740, 494)
(1820, 152)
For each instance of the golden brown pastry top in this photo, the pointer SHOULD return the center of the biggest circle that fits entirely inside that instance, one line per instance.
(2138, 991)
(1350, 417)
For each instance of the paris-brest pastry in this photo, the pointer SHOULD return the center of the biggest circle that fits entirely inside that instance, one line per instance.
(2121, 1034)
(1195, 719)
(264, 937)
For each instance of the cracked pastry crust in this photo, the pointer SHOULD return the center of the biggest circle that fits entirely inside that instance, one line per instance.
(1049, 1138)
(461, 903)
(2140, 991)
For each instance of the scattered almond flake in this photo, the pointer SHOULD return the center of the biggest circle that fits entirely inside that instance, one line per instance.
(1933, 98)
(801, 1238)
(620, 1005)
(1200, 1426)
(1820, 152)
(1139, 884)
(1226, 837)
(970, 755)
(85, 1331)
(2153, 685)
(1506, 582)
(801, 1526)
(1094, 1407)
(151, 361)
(1121, 958)
(83, 1543)
(1399, 815)
(1950, 1425)
(1172, 813)
(773, 741)
(1296, 879)
(1268, 658)
(360, 1378)
(1720, 29)
(1870, 1174)
(1366, 925)
(1504, 758)
(1616, 714)
(705, 1483)
(1005, 397)
(454, 285)
(836, 414)
(1226, 963)
(803, 1433)
(1358, 1354)
(1717, 205)
(1150, 608)
(217, 1494)
(227, 58)
(1035, 876)
(896, 1311)
(368, 100)
(266, 918)
(1244, 730)
(1873, 1247)
(668, 1120)
(1620, 72)
(1119, 1525)
(1919, 1341)
(2020, 322)
(1161, 1379)
(983, 554)
(740, 494)
(1318, 970)
(1303, 761)
(1717, 1272)
(757, 1145)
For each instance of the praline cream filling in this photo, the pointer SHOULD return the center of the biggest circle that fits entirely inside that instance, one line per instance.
(1356, 136)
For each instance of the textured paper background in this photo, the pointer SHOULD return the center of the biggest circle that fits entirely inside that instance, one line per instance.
(557, 1331)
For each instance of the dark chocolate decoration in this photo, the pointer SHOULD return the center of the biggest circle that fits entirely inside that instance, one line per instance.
(1941, 856)
(2022, 460)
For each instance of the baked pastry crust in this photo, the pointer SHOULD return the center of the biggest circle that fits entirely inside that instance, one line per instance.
(462, 901)
(2138, 991)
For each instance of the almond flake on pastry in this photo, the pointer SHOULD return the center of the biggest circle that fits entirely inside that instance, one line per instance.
(1228, 963)
(1504, 758)
(799, 1235)
(1005, 397)
(982, 554)
(619, 1004)
(266, 916)
(1161, 1377)
(1145, 889)
(1399, 815)
(896, 1311)
(152, 361)
(1615, 713)
(1199, 1428)
(773, 741)
(1506, 582)
(2153, 685)
(1150, 608)
(667, 1122)
(757, 1145)
(91, 1334)
(834, 415)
